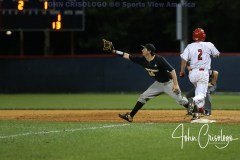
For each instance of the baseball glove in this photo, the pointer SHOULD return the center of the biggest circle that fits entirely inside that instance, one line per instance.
(107, 46)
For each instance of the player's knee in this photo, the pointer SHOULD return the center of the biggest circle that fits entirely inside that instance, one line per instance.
(183, 101)
(143, 98)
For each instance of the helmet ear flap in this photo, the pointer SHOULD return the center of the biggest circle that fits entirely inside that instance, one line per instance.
(204, 36)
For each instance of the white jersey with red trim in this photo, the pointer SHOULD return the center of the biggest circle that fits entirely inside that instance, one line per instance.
(198, 53)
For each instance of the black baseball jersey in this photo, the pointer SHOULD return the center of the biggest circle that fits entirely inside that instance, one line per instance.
(158, 68)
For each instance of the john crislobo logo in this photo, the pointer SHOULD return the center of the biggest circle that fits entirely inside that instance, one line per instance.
(203, 138)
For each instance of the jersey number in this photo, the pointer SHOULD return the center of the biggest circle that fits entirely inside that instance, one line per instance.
(199, 54)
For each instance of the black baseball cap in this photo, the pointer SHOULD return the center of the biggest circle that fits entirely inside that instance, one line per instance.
(149, 47)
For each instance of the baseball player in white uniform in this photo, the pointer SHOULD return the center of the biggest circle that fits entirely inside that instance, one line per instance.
(198, 53)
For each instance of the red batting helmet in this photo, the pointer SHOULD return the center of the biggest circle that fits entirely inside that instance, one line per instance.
(199, 34)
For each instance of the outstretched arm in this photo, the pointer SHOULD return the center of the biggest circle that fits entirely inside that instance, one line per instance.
(108, 47)
(122, 54)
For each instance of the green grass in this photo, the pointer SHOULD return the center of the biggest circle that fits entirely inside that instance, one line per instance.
(91, 141)
(101, 101)
(131, 142)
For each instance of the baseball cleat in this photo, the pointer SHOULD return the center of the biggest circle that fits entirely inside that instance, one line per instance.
(201, 110)
(188, 113)
(207, 113)
(195, 116)
(191, 105)
(126, 117)
(195, 113)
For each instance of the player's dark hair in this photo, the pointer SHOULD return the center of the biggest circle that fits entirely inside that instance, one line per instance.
(152, 53)
(150, 47)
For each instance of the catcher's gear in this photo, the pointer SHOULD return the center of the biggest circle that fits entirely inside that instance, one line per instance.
(199, 35)
(107, 46)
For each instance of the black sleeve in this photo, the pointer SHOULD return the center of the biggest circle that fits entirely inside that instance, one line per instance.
(166, 65)
(136, 59)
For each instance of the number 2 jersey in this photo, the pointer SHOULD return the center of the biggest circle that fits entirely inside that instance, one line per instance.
(158, 68)
(199, 54)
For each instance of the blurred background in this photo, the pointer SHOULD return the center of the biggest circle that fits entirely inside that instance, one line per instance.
(55, 46)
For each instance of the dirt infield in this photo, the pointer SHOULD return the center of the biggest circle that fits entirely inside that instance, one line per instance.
(221, 116)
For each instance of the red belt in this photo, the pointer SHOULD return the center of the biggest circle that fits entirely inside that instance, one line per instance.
(200, 69)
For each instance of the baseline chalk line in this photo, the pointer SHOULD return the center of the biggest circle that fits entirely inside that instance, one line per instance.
(59, 131)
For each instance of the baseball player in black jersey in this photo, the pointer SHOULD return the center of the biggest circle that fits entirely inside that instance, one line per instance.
(158, 68)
